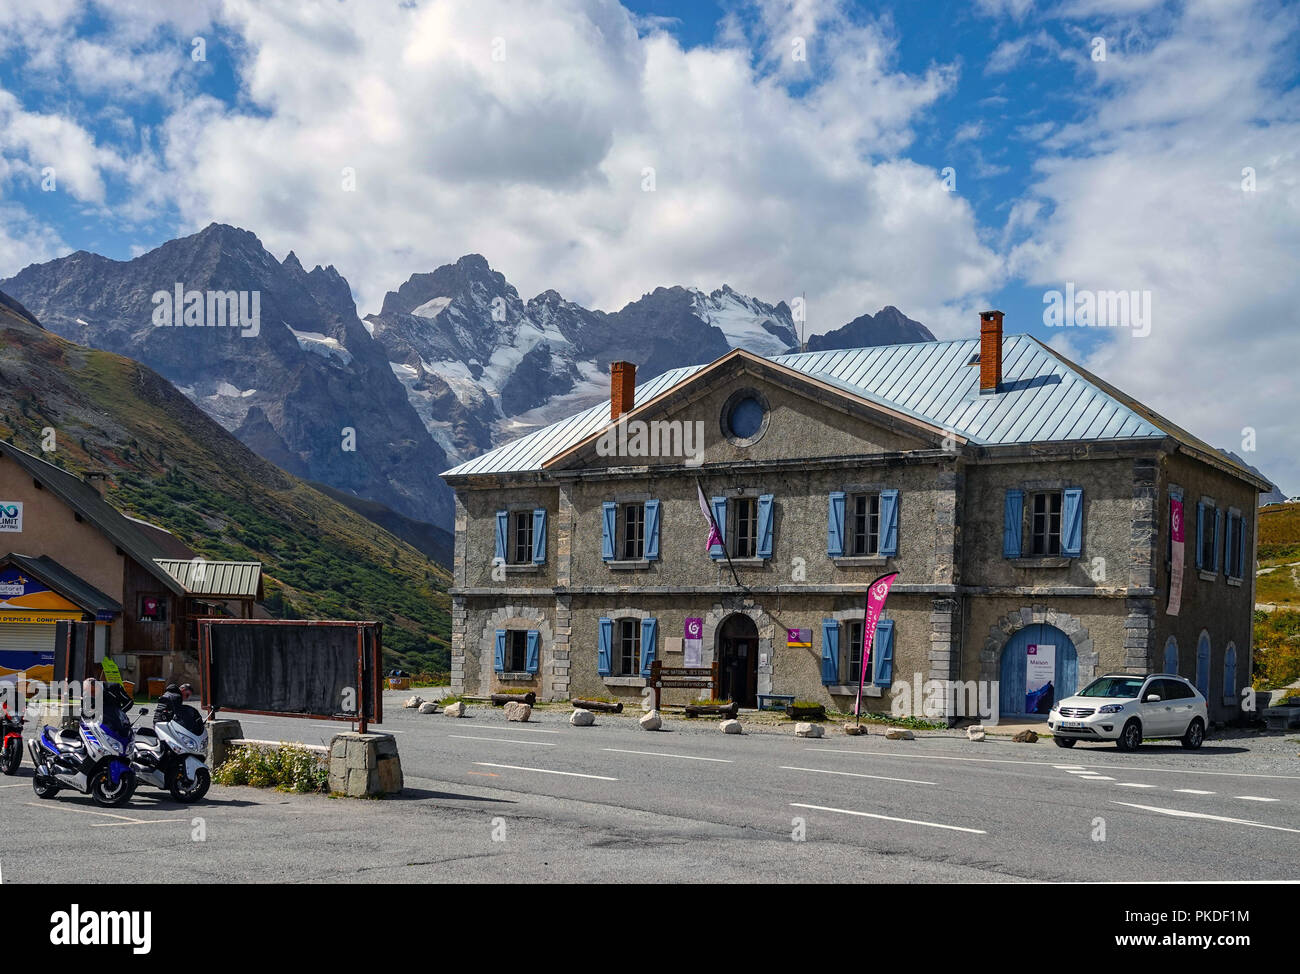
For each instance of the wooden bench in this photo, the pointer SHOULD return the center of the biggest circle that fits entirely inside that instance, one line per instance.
(774, 701)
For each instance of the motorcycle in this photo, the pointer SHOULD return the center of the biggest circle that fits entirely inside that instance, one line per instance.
(171, 755)
(11, 751)
(93, 759)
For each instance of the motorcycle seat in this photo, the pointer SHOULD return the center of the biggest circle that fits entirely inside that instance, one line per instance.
(71, 736)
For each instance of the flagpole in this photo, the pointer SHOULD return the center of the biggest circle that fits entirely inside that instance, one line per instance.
(862, 672)
(708, 509)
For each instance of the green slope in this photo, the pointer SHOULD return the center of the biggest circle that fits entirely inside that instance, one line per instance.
(168, 463)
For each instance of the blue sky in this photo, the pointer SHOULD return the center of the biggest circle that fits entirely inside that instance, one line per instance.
(524, 132)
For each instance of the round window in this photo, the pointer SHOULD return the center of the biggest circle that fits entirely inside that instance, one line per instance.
(745, 417)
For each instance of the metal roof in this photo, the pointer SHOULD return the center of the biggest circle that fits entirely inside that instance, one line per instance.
(1044, 398)
(222, 579)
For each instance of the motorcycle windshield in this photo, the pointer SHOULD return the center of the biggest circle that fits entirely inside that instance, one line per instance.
(190, 719)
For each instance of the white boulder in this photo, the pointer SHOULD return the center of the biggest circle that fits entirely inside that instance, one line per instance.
(651, 721)
(518, 710)
(808, 730)
(730, 727)
(582, 718)
(456, 710)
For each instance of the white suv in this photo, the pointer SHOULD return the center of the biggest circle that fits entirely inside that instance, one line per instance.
(1124, 708)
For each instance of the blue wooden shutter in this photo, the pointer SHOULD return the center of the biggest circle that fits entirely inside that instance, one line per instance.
(1200, 535)
(500, 659)
(835, 525)
(534, 641)
(649, 630)
(884, 662)
(652, 530)
(539, 535)
(764, 548)
(1230, 674)
(1203, 667)
(503, 528)
(889, 522)
(1012, 522)
(1072, 522)
(1218, 538)
(830, 651)
(608, 519)
(719, 507)
(1171, 656)
(1241, 548)
(605, 647)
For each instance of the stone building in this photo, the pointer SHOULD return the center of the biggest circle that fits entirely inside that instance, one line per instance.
(1025, 504)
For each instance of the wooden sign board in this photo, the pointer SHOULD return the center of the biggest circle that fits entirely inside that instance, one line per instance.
(686, 678)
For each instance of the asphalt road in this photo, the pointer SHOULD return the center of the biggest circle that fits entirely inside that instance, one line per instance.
(488, 800)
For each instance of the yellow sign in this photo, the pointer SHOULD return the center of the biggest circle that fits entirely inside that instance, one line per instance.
(45, 618)
(111, 673)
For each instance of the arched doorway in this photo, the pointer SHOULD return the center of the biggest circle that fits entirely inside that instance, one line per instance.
(1014, 698)
(736, 650)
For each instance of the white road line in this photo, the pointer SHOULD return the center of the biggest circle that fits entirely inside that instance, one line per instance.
(1255, 798)
(55, 807)
(889, 818)
(1179, 813)
(1080, 771)
(150, 821)
(1095, 777)
(1131, 784)
(502, 740)
(854, 774)
(1042, 764)
(569, 774)
(665, 754)
(1193, 791)
(1067, 767)
(512, 730)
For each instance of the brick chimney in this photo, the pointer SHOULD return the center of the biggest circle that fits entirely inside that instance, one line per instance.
(622, 389)
(990, 351)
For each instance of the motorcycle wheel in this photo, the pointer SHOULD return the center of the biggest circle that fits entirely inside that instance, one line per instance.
(107, 794)
(13, 757)
(44, 787)
(197, 788)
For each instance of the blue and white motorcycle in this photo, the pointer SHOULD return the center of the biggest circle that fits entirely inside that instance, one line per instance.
(94, 759)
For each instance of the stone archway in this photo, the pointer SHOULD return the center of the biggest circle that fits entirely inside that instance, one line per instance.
(766, 636)
(1039, 615)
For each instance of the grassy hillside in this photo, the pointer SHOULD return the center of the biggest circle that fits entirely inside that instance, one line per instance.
(1277, 633)
(169, 463)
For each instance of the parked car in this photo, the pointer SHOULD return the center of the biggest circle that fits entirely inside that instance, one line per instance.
(1125, 708)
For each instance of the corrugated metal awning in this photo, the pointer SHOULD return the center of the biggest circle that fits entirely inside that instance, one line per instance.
(221, 579)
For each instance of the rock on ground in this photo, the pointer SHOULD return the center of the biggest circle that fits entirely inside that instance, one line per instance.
(853, 730)
(651, 721)
(413, 702)
(455, 710)
(1026, 737)
(428, 707)
(730, 727)
(516, 710)
(899, 734)
(582, 718)
(973, 734)
(807, 730)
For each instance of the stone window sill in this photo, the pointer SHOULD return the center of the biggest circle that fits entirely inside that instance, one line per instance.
(531, 568)
(843, 690)
(629, 565)
(1042, 561)
(744, 562)
(1208, 576)
(624, 681)
(1235, 582)
(524, 677)
(860, 561)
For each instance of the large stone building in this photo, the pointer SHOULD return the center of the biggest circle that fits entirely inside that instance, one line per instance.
(1025, 504)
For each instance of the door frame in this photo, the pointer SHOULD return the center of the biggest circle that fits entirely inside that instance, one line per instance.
(722, 642)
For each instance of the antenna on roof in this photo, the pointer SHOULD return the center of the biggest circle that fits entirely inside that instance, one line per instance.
(803, 324)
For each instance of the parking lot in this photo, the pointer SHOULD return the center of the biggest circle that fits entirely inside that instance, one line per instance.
(490, 800)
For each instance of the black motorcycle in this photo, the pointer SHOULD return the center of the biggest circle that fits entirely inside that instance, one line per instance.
(11, 751)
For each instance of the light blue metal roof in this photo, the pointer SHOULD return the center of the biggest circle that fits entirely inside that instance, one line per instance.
(1043, 398)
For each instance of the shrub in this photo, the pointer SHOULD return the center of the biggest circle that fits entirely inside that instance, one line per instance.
(289, 767)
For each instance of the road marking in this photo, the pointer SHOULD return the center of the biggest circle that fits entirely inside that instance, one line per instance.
(143, 821)
(484, 774)
(1081, 771)
(1131, 784)
(665, 754)
(54, 807)
(1041, 764)
(1067, 767)
(1179, 813)
(1095, 777)
(512, 730)
(502, 740)
(569, 774)
(854, 774)
(889, 818)
(1193, 791)
(1255, 798)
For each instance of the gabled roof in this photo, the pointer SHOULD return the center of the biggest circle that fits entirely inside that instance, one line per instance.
(1045, 398)
(72, 587)
(220, 579)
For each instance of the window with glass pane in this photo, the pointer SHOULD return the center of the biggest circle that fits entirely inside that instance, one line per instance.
(516, 650)
(864, 524)
(627, 660)
(1045, 523)
(521, 537)
(633, 531)
(853, 637)
(744, 527)
(1206, 540)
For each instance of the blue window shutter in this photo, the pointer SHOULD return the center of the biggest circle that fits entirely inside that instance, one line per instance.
(539, 535)
(835, 525)
(500, 661)
(764, 548)
(830, 651)
(1203, 667)
(1072, 522)
(1171, 656)
(889, 522)
(608, 518)
(1241, 548)
(1200, 535)
(652, 530)
(1218, 538)
(1012, 522)
(1230, 673)
(605, 647)
(719, 507)
(503, 523)
(649, 630)
(534, 641)
(884, 646)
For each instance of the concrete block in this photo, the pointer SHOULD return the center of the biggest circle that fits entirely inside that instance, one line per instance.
(219, 733)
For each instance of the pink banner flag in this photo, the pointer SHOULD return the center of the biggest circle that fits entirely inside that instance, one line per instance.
(714, 537)
(1176, 554)
(876, 595)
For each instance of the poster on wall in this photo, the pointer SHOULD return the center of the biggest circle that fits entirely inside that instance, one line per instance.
(693, 641)
(1176, 554)
(11, 515)
(1040, 671)
(798, 638)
